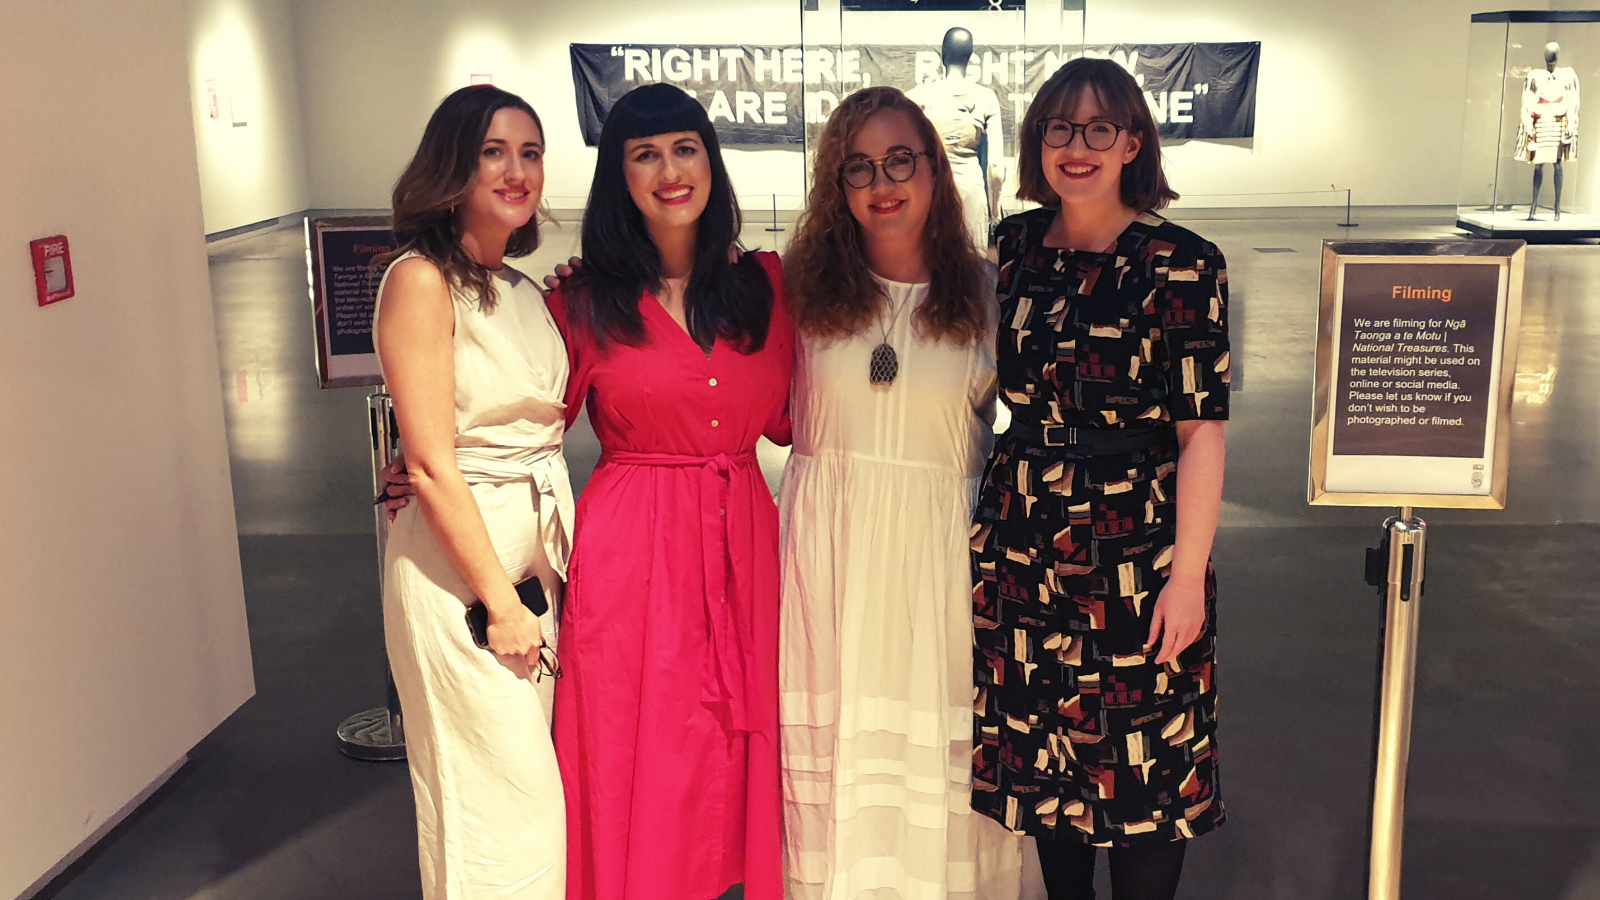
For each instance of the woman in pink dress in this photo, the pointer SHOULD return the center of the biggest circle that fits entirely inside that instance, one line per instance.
(666, 720)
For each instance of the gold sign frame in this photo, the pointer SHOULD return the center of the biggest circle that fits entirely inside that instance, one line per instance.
(1509, 255)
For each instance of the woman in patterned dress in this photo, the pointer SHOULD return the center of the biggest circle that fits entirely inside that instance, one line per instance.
(1094, 597)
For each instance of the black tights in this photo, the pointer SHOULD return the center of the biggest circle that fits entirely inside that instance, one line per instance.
(1149, 872)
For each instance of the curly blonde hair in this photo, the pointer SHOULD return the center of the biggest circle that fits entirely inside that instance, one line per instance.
(830, 283)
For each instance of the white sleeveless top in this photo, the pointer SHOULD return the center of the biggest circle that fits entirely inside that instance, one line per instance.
(511, 375)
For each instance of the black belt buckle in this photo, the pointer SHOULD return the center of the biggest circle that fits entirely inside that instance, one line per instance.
(1059, 435)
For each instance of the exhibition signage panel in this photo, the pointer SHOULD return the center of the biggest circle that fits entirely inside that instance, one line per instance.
(1416, 368)
(342, 254)
(767, 95)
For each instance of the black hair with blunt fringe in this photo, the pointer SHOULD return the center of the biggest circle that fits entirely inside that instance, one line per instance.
(731, 301)
(1144, 184)
(439, 177)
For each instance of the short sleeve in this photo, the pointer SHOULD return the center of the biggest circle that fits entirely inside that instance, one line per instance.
(1008, 240)
(580, 361)
(1192, 299)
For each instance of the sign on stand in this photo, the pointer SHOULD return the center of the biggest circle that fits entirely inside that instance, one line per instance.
(1416, 359)
(344, 273)
(1416, 367)
(341, 254)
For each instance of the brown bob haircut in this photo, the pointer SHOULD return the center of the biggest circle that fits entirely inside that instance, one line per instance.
(1144, 185)
(830, 282)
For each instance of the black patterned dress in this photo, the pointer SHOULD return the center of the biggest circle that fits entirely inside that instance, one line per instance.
(1079, 734)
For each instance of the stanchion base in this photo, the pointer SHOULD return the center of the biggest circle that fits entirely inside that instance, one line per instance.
(1348, 224)
(368, 736)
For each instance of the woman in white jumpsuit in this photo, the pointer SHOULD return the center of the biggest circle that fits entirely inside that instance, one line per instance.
(477, 371)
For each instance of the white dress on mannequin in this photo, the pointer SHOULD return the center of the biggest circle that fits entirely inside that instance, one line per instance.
(876, 622)
(1549, 123)
(491, 817)
(966, 113)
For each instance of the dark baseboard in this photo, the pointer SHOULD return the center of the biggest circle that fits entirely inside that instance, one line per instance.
(263, 225)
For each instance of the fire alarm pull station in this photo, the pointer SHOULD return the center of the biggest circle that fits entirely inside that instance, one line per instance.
(52, 269)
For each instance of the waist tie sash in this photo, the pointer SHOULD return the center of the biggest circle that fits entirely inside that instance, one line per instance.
(725, 692)
(546, 468)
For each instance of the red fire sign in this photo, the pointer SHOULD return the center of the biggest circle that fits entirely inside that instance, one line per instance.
(52, 269)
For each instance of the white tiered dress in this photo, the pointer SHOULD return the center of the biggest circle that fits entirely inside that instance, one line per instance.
(876, 623)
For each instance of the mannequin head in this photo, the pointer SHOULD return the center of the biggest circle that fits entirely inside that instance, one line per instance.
(1552, 50)
(957, 48)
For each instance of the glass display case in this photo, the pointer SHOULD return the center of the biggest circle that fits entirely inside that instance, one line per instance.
(1527, 169)
(974, 65)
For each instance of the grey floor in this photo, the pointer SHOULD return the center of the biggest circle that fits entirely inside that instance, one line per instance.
(1504, 796)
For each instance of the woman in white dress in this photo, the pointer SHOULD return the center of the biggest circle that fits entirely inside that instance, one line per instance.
(893, 409)
(477, 371)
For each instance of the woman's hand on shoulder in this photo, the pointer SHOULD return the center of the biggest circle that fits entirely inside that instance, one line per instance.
(554, 281)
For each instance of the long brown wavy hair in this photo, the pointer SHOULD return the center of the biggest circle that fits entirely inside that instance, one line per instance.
(826, 266)
(441, 175)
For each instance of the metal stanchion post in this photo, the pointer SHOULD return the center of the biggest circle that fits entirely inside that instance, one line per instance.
(775, 228)
(377, 735)
(1397, 567)
(1347, 223)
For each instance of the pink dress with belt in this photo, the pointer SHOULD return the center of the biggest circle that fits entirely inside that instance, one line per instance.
(666, 720)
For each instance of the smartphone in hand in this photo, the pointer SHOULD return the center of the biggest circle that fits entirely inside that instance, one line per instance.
(532, 594)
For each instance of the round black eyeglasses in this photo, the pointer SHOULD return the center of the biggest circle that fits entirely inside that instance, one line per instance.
(897, 167)
(1097, 135)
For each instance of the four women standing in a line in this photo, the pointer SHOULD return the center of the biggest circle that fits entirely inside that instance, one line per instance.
(1111, 328)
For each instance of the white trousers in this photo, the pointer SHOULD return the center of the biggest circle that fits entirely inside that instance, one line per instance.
(491, 817)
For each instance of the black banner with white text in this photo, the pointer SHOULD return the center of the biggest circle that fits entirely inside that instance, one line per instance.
(768, 95)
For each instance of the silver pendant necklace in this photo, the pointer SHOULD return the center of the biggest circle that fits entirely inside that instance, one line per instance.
(885, 364)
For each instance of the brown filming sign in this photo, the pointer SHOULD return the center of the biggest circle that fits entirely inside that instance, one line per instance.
(1416, 362)
(343, 254)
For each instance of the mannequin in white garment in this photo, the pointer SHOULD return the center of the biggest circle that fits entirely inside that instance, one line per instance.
(1549, 131)
(967, 116)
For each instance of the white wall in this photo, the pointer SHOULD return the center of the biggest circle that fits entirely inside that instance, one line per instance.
(372, 73)
(1366, 94)
(122, 626)
(244, 50)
